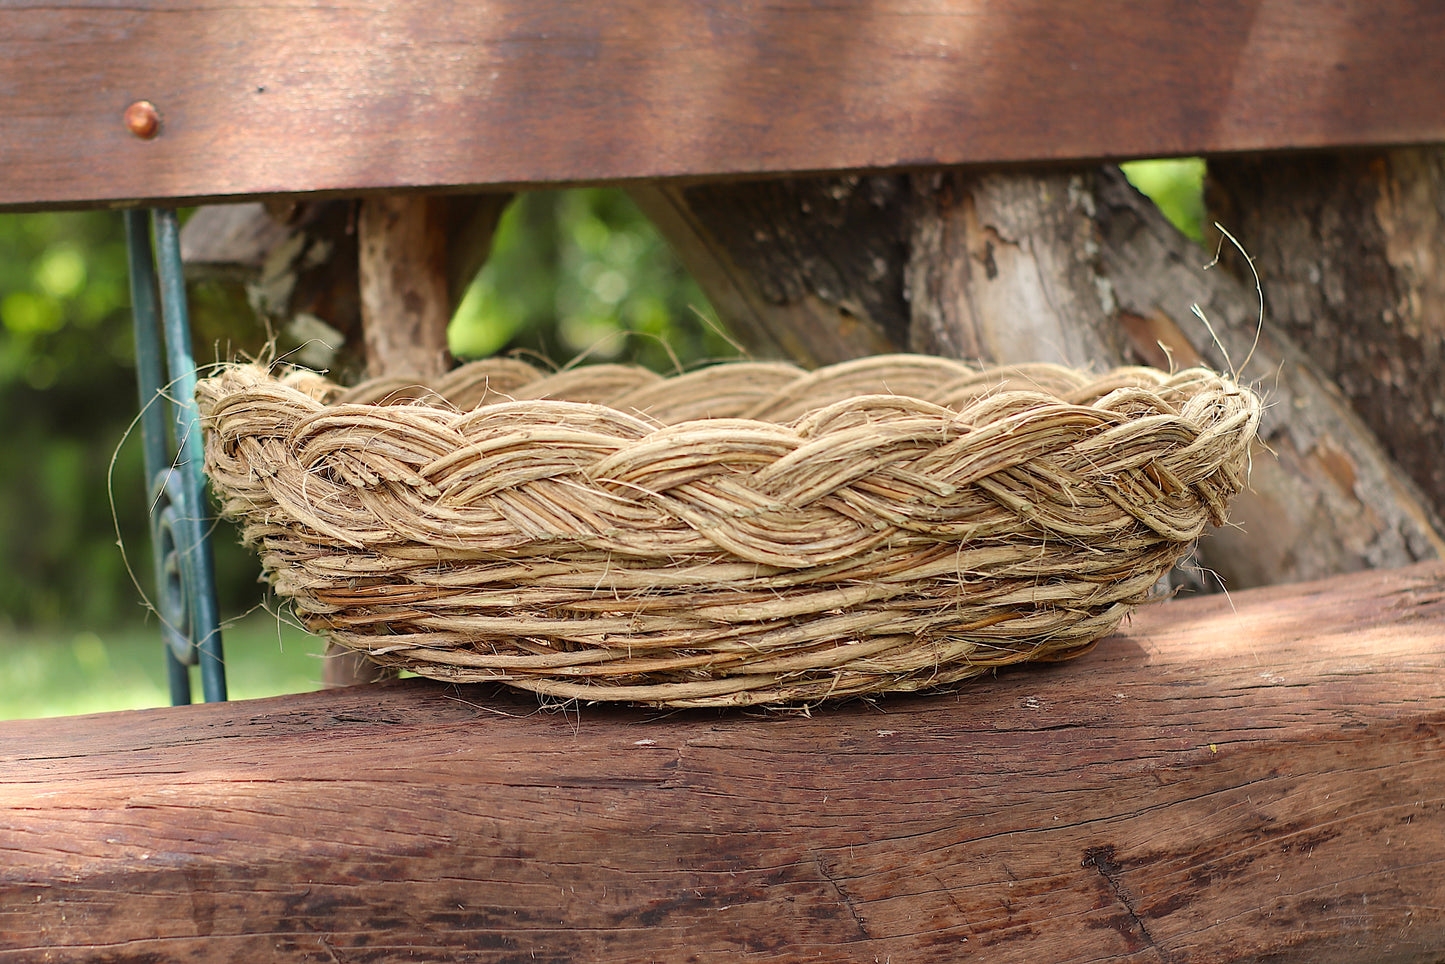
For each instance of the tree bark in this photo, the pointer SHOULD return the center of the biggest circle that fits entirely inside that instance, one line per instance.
(807, 269)
(405, 301)
(1351, 252)
(1325, 497)
(1080, 268)
(1067, 266)
(1004, 268)
(294, 265)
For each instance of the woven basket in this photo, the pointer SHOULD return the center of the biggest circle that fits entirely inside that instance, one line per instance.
(744, 534)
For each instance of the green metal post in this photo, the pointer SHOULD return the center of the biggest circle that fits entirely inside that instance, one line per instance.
(180, 527)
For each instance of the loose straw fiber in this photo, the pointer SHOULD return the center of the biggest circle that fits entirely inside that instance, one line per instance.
(743, 534)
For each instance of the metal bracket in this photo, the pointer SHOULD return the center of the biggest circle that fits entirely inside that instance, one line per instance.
(180, 526)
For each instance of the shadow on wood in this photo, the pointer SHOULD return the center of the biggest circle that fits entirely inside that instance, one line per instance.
(1226, 783)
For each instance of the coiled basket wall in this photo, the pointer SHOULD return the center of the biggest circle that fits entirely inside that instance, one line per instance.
(749, 533)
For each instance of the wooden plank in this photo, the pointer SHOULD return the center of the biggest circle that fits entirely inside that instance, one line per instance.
(273, 96)
(1225, 783)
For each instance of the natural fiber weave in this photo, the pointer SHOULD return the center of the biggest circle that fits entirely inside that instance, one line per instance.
(747, 533)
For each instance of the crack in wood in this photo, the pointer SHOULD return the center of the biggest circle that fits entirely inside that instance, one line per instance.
(842, 892)
(1102, 860)
(361, 718)
(331, 951)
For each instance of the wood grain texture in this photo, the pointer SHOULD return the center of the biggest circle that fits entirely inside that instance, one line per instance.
(271, 97)
(1262, 782)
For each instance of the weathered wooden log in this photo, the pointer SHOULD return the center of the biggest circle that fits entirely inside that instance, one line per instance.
(1325, 496)
(405, 304)
(1351, 252)
(808, 269)
(1078, 267)
(232, 241)
(1246, 781)
(295, 265)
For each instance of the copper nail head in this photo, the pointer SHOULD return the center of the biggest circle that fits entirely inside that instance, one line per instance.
(143, 120)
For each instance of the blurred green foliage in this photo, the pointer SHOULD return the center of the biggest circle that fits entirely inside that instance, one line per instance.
(573, 273)
(67, 391)
(1177, 186)
(58, 671)
(584, 273)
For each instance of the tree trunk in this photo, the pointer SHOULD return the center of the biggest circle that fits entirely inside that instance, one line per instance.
(1073, 267)
(1004, 268)
(405, 302)
(806, 269)
(1351, 253)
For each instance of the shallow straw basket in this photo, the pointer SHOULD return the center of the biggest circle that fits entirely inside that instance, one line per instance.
(747, 533)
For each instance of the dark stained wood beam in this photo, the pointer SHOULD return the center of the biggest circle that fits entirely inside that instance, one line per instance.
(268, 98)
(1246, 781)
